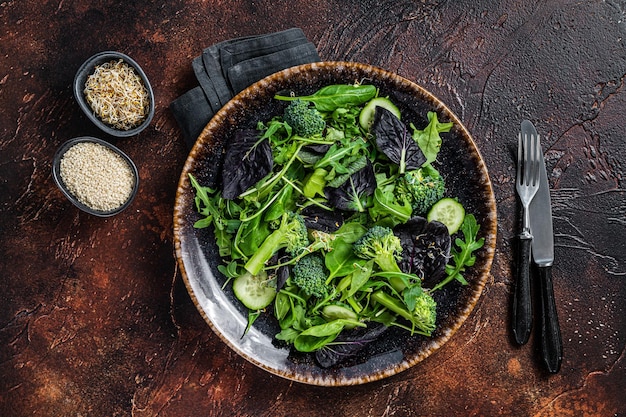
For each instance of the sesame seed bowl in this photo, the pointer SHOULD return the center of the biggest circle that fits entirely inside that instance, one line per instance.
(114, 93)
(95, 176)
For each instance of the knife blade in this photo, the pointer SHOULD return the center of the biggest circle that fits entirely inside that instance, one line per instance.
(542, 248)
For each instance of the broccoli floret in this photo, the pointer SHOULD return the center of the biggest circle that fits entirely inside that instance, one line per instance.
(305, 120)
(422, 188)
(425, 313)
(384, 248)
(380, 244)
(291, 235)
(422, 316)
(309, 274)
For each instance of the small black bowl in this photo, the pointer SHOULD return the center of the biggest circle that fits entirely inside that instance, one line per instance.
(56, 174)
(79, 85)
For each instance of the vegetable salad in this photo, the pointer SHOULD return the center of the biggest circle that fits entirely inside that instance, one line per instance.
(334, 218)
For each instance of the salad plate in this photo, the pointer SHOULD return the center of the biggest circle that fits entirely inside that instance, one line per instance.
(459, 161)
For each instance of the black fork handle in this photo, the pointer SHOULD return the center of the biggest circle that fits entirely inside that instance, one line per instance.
(522, 304)
(551, 343)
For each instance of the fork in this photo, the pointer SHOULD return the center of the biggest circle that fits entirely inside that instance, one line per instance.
(526, 184)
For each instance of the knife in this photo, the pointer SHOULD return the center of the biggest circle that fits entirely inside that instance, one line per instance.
(542, 248)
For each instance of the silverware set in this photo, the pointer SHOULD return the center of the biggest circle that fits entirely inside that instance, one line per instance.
(536, 245)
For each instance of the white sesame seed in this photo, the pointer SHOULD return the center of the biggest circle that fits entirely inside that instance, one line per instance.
(97, 176)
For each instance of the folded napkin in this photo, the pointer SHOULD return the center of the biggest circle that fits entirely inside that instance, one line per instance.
(228, 67)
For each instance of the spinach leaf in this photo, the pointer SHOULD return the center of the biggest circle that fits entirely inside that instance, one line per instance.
(353, 194)
(245, 163)
(314, 183)
(332, 97)
(358, 278)
(282, 305)
(351, 231)
(394, 140)
(315, 337)
(341, 260)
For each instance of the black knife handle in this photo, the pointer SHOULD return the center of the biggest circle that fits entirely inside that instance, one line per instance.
(551, 343)
(522, 304)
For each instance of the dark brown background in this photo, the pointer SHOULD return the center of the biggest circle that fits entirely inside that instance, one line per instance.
(94, 317)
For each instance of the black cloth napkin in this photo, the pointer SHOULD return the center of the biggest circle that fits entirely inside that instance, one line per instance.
(228, 67)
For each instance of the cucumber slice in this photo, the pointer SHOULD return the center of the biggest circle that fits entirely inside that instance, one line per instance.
(366, 117)
(449, 212)
(253, 290)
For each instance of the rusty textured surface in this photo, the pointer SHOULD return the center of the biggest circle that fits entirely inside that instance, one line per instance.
(94, 317)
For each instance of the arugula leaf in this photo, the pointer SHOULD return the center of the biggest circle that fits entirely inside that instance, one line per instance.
(252, 316)
(350, 169)
(340, 155)
(283, 202)
(346, 121)
(249, 237)
(386, 210)
(410, 294)
(463, 252)
(210, 204)
(428, 139)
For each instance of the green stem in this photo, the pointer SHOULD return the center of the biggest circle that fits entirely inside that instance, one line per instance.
(388, 263)
(392, 304)
(402, 161)
(450, 277)
(256, 263)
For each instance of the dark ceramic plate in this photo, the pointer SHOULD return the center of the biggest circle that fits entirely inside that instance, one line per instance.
(459, 161)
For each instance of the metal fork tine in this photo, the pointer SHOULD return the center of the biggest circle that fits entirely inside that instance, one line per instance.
(537, 159)
(531, 160)
(520, 152)
(534, 161)
(529, 157)
(527, 160)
